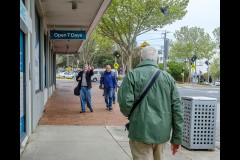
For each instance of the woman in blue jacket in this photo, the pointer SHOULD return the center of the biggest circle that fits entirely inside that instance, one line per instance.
(108, 83)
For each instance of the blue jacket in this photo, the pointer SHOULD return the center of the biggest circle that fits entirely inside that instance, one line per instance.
(108, 79)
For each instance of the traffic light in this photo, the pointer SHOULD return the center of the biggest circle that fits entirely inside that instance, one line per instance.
(116, 54)
(194, 57)
(207, 62)
(164, 10)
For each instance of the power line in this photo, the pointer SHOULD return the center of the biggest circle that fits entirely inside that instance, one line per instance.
(151, 39)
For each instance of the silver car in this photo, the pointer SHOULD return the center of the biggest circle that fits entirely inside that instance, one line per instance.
(217, 83)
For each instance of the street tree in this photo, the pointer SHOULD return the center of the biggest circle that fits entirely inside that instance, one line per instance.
(61, 60)
(176, 69)
(126, 19)
(189, 42)
(96, 50)
(216, 34)
(103, 54)
(215, 68)
(87, 51)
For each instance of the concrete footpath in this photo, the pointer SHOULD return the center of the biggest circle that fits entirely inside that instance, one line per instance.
(52, 142)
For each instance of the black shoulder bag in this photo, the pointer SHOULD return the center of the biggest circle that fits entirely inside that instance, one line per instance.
(142, 94)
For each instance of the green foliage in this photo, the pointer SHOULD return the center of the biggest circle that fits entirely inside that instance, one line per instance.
(215, 68)
(61, 60)
(216, 34)
(175, 69)
(204, 76)
(62, 77)
(97, 51)
(127, 19)
(191, 41)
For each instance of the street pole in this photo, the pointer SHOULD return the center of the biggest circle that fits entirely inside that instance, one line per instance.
(208, 73)
(195, 72)
(67, 60)
(115, 58)
(165, 57)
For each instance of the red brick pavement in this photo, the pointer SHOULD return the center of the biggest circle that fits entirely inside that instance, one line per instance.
(63, 108)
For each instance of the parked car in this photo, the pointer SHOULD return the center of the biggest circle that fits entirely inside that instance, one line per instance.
(61, 73)
(217, 83)
(97, 74)
(66, 75)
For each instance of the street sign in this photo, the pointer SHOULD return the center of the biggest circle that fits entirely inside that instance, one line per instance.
(144, 44)
(65, 35)
(193, 66)
(116, 65)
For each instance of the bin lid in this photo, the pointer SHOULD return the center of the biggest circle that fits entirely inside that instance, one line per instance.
(199, 98)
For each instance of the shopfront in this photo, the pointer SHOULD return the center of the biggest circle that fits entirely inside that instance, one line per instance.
(22, 87)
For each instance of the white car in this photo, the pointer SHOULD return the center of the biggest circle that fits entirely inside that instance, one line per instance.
(217, 83)
(97, 74)
(66, 75)
(61, 73)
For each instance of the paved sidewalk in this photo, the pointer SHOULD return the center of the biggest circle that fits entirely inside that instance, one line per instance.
(120, 135)
(50, 142)
(63, 108)
(65, 134)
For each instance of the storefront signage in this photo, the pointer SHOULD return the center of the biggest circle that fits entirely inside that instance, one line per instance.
(65, 35)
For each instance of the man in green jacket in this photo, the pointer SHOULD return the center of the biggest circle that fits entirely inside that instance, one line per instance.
(158, 117)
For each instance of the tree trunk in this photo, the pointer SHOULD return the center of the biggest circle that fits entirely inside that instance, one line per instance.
(129, 62)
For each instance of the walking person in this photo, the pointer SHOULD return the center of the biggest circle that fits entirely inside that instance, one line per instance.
(108, 83)
(84, 80)
(115, 90)
(157, 116)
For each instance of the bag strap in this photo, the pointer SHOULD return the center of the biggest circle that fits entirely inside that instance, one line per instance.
(144, 91)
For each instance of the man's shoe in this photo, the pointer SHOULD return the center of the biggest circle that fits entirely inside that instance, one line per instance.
(110, 109)
(91, 109)
(82, 111)
(113, 102)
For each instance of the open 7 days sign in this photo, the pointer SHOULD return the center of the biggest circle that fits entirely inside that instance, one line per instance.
(65, 35)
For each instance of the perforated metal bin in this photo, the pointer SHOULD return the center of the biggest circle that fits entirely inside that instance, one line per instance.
(199, 131)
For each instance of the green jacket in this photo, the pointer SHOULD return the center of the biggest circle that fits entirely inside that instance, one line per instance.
(160, 111)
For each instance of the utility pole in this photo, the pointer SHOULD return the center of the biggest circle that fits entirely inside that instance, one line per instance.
(208, 73)
(165, 55)
(195, 72)
(207, 63)
(115, 58)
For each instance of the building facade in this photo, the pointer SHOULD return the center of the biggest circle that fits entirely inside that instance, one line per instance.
(38, 18)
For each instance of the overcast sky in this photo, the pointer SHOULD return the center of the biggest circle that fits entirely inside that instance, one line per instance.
(201, 13)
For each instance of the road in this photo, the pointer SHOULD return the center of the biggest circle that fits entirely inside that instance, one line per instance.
(208, 91)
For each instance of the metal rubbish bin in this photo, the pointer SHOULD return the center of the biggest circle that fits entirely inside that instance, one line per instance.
(199, 131)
